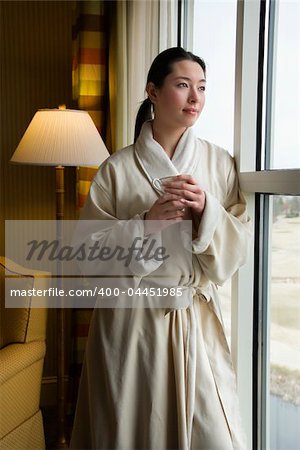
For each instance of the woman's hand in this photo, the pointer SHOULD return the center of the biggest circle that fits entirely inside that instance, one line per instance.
(186, 188)
(167, 210)
(166, 207)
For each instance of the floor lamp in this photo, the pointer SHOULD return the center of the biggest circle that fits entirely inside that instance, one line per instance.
(61, 137)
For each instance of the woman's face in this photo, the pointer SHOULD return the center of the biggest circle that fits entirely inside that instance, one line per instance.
(180, 100)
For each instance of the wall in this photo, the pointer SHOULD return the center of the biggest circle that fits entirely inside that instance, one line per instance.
(36, 72)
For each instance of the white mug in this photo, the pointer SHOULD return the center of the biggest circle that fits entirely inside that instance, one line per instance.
(157, 182)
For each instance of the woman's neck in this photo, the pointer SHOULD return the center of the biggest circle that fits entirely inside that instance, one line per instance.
(167, 137)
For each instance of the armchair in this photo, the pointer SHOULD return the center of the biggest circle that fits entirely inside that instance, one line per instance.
(22, 351)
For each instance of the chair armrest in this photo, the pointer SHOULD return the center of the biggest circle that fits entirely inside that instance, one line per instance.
(22, 325)
(17, 357)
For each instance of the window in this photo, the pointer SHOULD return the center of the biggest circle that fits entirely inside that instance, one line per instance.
(283, 85)
(284, 321)
(217, 118)
(265, 311)
(218, 51)
(278, 312)
(278, 145)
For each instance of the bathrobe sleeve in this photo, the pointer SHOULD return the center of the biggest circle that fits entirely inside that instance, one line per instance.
(99, 227)
(224, 234)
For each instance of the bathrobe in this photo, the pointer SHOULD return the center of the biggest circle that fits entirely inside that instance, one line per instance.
(162, 378)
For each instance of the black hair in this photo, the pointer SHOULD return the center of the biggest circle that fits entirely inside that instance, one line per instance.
(160, 68)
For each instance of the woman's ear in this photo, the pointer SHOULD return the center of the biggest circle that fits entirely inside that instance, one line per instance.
(152, 92)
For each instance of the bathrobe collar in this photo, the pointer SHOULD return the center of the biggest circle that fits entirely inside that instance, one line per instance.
(156, 163)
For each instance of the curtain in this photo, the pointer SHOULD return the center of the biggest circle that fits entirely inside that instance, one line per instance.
(143, 29)
(168, 24)
(137, 44)
(89, 74)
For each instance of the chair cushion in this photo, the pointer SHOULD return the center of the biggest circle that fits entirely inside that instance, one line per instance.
(20, 395)
(28, 436)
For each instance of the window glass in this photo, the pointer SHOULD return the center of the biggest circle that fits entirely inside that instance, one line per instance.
(285, 102)
(214, 40)
(285, 324)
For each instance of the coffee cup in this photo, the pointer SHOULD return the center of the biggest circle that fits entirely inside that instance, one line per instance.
(158, 182)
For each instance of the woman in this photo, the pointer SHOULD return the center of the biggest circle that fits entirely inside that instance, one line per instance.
(162, 378)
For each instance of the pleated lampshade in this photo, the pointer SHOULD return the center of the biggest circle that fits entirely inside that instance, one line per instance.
(61, 137)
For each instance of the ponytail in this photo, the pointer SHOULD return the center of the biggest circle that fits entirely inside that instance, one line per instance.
(144, 113)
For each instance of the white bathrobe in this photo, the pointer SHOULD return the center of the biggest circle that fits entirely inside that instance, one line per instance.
(162, 378)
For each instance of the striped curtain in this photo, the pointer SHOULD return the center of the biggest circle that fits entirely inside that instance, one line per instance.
(89, 80)
(89, 74)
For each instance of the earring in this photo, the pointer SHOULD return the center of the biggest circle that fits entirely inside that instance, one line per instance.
(152, 110)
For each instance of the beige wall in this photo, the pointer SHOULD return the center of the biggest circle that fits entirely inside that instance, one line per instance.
(36, 64)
